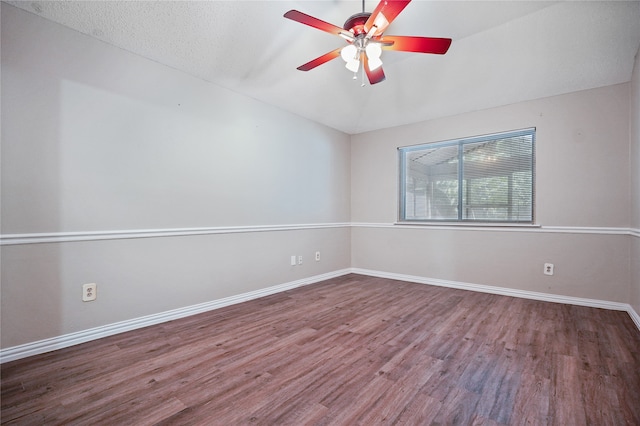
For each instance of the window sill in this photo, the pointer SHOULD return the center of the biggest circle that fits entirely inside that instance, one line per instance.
(479, 225)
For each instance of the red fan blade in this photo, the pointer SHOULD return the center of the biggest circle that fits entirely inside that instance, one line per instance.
(320, 60)
(384, 13)
(303, 18)
(375, 76)
(417, 44)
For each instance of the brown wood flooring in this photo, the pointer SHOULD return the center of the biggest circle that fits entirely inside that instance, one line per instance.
(353, 350)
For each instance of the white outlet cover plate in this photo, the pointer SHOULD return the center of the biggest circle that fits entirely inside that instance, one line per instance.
(548, 268)
(89, 292)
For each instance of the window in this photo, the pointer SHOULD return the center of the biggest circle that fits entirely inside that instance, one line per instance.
(479, 179)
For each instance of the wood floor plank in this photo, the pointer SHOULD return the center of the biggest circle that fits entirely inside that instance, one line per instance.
(351, 350)
(532, 400)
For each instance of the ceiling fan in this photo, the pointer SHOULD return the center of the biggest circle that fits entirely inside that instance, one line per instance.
(365, 40)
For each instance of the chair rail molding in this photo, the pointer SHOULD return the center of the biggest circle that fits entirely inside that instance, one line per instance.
(62, 237)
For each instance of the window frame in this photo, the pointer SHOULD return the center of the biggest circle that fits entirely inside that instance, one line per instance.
(461, 142)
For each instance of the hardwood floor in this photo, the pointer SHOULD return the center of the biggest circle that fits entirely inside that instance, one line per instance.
(347, 351)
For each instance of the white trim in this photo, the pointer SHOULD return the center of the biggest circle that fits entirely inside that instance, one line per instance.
(467, 225)
(503, 291)
(502, 228)
(59, 342)
(634, 316)
(61, 237)
(587, 230)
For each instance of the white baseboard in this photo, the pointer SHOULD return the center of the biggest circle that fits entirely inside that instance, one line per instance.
(60, 342)
(634, 316)
(524, 294)
(66, 340)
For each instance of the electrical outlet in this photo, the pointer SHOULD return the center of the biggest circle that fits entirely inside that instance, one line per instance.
(317, 256)
(89, 292)
(548, 268)
(299, 260)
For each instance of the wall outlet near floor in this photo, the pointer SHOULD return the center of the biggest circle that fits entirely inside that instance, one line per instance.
(299, 260)
(89, 292)
(548, 268)
(317, 256)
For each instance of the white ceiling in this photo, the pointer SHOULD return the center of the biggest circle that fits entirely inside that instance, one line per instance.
(502, 52)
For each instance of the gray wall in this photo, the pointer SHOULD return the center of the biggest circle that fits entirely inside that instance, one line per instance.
(635, 185)
(582, 202)
(98, 139)
(95, 139)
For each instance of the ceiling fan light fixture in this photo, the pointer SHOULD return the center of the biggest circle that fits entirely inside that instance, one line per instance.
(349, 53)
(373, 51)
(353, 65)
(374, 63)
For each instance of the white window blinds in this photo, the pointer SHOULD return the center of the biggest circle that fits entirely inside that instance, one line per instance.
(483, 179)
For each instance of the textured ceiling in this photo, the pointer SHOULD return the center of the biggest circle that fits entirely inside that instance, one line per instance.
(502, 52)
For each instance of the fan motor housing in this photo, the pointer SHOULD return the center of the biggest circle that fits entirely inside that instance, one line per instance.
(356, 22)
